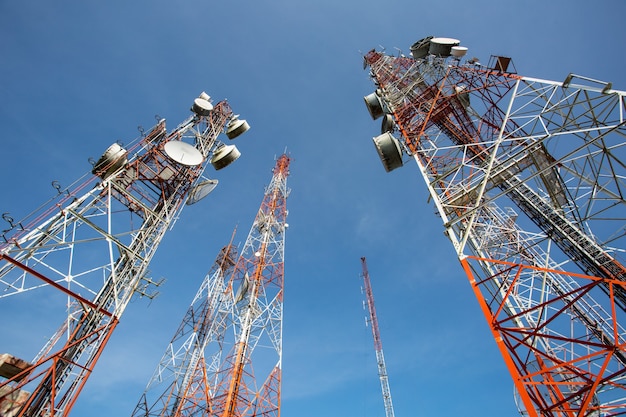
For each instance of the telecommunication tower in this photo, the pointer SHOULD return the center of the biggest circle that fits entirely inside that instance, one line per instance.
(181, 376)
(87, 251)
(225, 360)
(528, 178)
(378, 344)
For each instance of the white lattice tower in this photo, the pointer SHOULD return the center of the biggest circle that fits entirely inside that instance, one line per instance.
(87, 251)
(551, 283)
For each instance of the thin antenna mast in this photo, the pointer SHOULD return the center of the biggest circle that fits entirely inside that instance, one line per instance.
(378, 345)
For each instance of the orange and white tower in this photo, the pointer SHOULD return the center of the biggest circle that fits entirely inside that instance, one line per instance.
(225, 359)
(528, 178)
(87, 251)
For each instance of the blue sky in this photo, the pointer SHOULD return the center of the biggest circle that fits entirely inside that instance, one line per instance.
(77, 76)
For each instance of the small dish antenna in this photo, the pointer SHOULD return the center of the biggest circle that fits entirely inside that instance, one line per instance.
(374, 105)
(420, 48)
(202, 105)
(442, 46)
(458, 51)
(225, 156)
(389, 151)
(388, 125)
(201, 190)
(236, 127)
(183, 153)
(111, 160)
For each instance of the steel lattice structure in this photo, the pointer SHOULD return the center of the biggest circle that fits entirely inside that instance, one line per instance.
(179, 385)
(528, 178)
(378, 343)
(225, 359)
(87, 251)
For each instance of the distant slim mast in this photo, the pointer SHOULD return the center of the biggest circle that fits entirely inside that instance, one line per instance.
(378, 344)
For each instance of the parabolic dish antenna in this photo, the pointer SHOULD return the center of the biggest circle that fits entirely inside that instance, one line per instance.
(442, 46)
(225, 156)
(110, 161)
(388, 125)
(201, 190)
(183, 153)
(374, 106)
(389, 151)
(202, 106)
(236, 127)
(458, 51)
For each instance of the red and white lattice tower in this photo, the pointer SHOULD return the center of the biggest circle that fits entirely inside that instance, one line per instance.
(225, 359)
(179, 385)
(528, 178)
(87, 251)
(378, 343)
